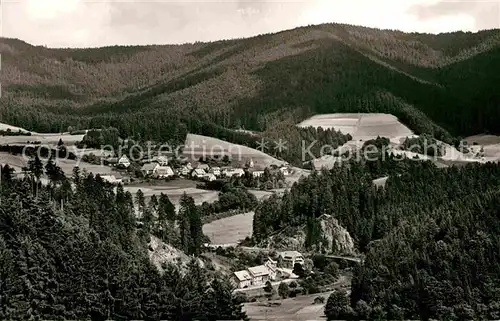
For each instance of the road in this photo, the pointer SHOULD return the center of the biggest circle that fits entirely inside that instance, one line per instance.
(274, 284)
(258, 249)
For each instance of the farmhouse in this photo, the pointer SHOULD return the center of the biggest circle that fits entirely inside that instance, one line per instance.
(287, 259)
(124, 162)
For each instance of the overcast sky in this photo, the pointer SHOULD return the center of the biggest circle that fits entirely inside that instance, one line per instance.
(90, 23)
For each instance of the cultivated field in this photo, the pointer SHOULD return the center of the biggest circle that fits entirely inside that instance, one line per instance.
(197, 146)
(175, 194)
(229, 230)
(67, 165)
(361, 126)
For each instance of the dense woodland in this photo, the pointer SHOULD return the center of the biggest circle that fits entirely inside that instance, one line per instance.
(431, 236)
(81, 254)
(430, 82)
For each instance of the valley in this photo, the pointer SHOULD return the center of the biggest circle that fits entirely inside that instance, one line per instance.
(318, 173)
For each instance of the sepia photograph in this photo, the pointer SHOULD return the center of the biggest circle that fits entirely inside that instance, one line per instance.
(249, 160)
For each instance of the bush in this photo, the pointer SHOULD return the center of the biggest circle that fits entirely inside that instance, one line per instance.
(283, 290)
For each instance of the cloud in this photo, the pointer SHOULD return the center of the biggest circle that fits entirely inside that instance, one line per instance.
(485, 14)
(81, 23)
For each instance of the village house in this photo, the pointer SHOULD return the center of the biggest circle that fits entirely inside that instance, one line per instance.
(209, 177)
(163, 172)
(260, 275)
(124, 162)
(111, 179)
(204, 167)
(184, 171)
(198, 173)
(215, 170)
(285, 171)
(162, 160)
(288, 259)
(239, 172)
(256, 275)
(256, 174)
(149, 169)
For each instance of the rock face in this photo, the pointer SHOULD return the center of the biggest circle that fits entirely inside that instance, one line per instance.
(162, 253)
(336, 239)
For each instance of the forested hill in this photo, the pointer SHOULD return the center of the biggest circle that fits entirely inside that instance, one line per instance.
(440, 84)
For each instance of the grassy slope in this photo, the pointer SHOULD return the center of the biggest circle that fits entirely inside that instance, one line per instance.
(430, 82)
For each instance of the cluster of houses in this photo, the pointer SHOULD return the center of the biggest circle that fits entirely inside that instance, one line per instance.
(269, 271)
(158, 168)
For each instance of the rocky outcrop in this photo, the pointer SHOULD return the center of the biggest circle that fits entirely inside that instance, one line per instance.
(161, 253)
(336, 239)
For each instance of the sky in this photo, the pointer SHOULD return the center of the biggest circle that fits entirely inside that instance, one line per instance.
(92, 23)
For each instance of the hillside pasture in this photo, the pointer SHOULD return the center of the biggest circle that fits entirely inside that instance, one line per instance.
(197, 146)
(5, 127)
(44, 139)
(230, 230)
(300, 308)
(361, 126)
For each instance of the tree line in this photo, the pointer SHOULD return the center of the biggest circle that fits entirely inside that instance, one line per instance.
(75, 249)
